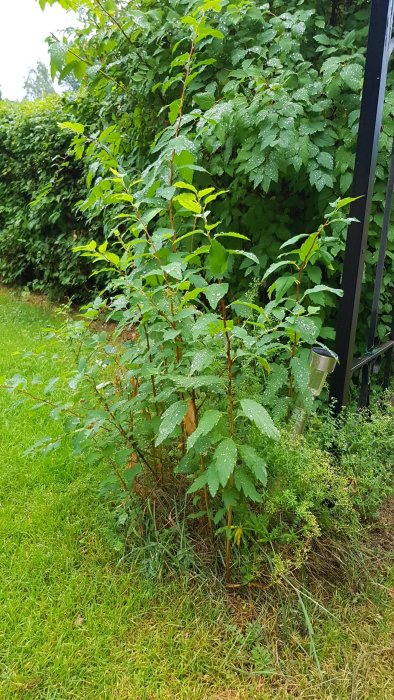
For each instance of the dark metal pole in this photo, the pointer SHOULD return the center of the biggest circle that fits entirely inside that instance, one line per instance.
(382, 254)
(378, 51)
(366, 372)
(389, 358)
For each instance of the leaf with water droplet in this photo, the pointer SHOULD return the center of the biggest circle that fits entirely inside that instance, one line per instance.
(207, 422)
(170, 419)
(260, 417)
(225, 458)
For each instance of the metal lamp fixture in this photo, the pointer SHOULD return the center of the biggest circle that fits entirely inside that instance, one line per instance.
(322, 362)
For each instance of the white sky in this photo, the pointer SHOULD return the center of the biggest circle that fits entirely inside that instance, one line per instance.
(23, 30)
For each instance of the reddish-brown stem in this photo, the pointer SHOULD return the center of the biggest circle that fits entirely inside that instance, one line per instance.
(177, 130)
(38, 399)
(202, 463)
(298, 294)
(231, 425)
(167, 282)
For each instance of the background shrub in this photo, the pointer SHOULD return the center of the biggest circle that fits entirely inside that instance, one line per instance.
(39, 188)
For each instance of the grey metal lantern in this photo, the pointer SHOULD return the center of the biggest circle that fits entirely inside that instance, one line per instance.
(322, 362)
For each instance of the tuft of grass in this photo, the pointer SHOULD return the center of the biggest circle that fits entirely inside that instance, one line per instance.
(78, 621)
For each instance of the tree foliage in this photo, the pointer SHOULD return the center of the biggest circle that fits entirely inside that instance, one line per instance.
(277, 108)
(39, 187)
(38, 83)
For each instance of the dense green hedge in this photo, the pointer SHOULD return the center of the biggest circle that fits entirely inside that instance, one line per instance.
(39, 188)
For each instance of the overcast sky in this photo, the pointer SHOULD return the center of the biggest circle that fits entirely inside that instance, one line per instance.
(23, 29)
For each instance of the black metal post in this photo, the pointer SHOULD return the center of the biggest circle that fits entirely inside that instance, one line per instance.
(366, 372)
(389, 357)
(378, 53)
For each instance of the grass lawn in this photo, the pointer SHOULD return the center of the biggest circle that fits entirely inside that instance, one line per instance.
(76, 624)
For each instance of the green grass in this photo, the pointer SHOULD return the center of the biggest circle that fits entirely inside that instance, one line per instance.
(76, 624)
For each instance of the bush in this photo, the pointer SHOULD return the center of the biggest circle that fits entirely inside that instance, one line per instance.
(187, 397)
(363, 443)
(39, 187)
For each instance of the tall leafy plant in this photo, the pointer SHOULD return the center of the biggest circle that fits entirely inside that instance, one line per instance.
(176, 398)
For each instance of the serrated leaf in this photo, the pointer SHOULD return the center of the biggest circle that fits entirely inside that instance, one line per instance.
(217, 259)
(309, 247)
(207, 422)
(189, 202)
(300, 372)
(352, 75)
(198, 483)
(326, 160)
(72, 126)
(225, 459)
(243, 482)
(215, 292)
(213, 480)
(306, 328)
(323, 288)
(246, 254)
(172, 417)
(173, 111)
(275, 266)
(254, 462)
(293, 240)
(256, 413)
(201, 360)
(276, 381)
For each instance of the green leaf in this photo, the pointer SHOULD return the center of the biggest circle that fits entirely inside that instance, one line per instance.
(213, 479)
(184, 162)
(275, 266)
(185, 186)
(300, 372)
(326, 160)
(207, 422)
(217, 259)
(306, 329)
(260, 417)
(215, 195)
(323, 288)
(243, 482)
(189, 202)
(204, 100)
(173, 111)
(72, 126)
(249, 305)
(180, 60)
(201, 360)
(174, 269)
(309, 247)
(215, 292)
(225, 458)
(344, 202)
(293, 240)
(205, 192)
(276, 381)
(246, 254)
(352, 75)
(232, 234)
(169, 420)
(254, 463)
(58, 53)
(198, 483)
